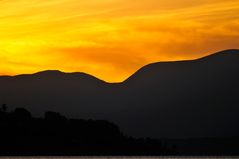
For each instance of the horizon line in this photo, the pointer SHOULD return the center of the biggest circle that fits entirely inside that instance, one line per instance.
(79, 72)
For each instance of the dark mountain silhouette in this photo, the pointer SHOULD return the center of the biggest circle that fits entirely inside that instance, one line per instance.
(54, 134)
(197, 98)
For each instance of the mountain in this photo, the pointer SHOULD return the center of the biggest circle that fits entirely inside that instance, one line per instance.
(197, 98)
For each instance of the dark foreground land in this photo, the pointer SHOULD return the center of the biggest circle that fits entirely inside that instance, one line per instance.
(22, 134)
(54, 135)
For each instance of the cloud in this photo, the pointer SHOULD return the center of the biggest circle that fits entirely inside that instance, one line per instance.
(111, 39)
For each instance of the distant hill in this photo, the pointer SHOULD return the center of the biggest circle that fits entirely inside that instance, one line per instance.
(197, 98)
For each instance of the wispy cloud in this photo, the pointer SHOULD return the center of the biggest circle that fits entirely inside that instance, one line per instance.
(111, 38)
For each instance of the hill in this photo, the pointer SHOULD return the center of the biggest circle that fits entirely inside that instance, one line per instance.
(197, 98)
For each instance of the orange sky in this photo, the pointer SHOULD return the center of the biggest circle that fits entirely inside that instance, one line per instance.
(111, 39)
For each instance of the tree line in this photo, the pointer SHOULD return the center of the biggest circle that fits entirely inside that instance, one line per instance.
(54, 134)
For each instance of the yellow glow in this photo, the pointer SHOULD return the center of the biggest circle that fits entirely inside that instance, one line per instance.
(111, 39)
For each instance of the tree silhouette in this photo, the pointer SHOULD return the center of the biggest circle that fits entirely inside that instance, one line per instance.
(4, 108)
(56, 135)
(22, 114)
(53, 116)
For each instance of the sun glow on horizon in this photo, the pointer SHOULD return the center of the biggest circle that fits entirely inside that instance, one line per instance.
(111, 39)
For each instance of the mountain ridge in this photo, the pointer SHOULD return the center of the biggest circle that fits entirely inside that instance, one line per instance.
(218, 54)
(196, 98)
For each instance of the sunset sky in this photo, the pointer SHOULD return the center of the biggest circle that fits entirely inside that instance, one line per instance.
(111, 39)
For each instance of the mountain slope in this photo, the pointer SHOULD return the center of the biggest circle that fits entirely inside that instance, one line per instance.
(187, 98)
(197, 98)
